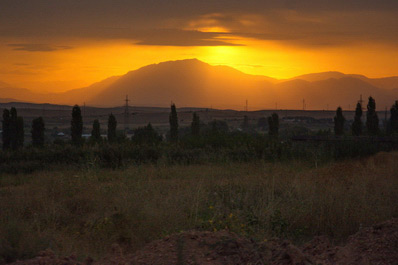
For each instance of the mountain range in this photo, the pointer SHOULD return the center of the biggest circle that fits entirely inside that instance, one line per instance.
(193, 83)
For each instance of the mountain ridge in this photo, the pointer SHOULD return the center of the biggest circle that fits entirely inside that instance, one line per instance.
(191, 82)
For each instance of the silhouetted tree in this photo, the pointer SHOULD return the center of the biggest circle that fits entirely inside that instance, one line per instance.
(372, 121)
(13, 128)
(195, 125)
(173, 119)
(146, 136)
(245, 124)
(394, 118)
(96, 132)
(38, 132)
(76, 126)
(112, 124)
(339, 122)
(273, 125)
(20, 132)
(6, 136)
(356, 127)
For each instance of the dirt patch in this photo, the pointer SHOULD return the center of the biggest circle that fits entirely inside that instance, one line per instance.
(211, 248)
(373, 245)
(48, 257)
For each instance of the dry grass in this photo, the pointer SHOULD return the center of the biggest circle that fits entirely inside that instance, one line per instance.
(85, 212)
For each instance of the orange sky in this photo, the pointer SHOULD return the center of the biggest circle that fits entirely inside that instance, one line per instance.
(91, 62)
(56, 46)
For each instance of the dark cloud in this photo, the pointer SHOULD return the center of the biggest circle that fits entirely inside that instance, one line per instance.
(158, 22)
(312, 29)
(34, 47)
(175, 37)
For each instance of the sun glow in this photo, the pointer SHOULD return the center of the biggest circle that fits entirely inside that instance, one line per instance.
(89, 62)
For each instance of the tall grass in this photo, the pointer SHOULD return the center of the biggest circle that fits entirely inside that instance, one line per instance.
(86, 211)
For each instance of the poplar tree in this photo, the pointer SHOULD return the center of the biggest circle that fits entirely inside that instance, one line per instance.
(357, 124)
(13, 128)
(173, 119)
(339, 122)
(372, 121)
(38, 128)
(112, 124)
(195, 125)
(76, 126)
(20, 132)
(6, 135)
(96, 132)
(394, 118)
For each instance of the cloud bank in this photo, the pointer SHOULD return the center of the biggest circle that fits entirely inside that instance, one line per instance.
(182, 23)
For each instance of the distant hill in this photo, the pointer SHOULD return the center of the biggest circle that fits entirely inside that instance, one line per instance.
(5, 100)
(385, 82)
(8, 91)
(319, 76)
(187, 83)
(192, 83)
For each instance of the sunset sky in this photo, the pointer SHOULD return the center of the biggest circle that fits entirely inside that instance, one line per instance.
(55, 45)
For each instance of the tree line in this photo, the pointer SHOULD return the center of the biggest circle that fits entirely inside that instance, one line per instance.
(372, 120)
(13, 127)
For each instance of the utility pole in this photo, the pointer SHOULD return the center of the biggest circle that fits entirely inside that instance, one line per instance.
(247, 106)
(126, 113)
(303, 104)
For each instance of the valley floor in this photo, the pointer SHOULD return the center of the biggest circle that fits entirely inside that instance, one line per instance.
(90, 212)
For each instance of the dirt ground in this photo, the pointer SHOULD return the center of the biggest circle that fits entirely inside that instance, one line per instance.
(373, 245)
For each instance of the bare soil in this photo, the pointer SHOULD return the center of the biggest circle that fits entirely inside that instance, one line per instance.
(373, 245)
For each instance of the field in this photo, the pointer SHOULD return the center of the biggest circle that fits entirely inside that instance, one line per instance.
(87, 211)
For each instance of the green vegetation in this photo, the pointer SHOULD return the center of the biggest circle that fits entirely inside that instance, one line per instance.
(86, 211)
(372, 121)
(356, 127)
(273, 125)
(77, 126)
(20, 133)
(78, 196)
(112, 124)
(394, 118)
(38, 129)
(146, 136)
(6, 137)
(13, 130)
(195, 125)
(200, 144)
(339, 122)
(173, 119)
(96, 132)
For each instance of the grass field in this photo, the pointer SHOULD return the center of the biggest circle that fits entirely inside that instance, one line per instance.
(85, 212)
